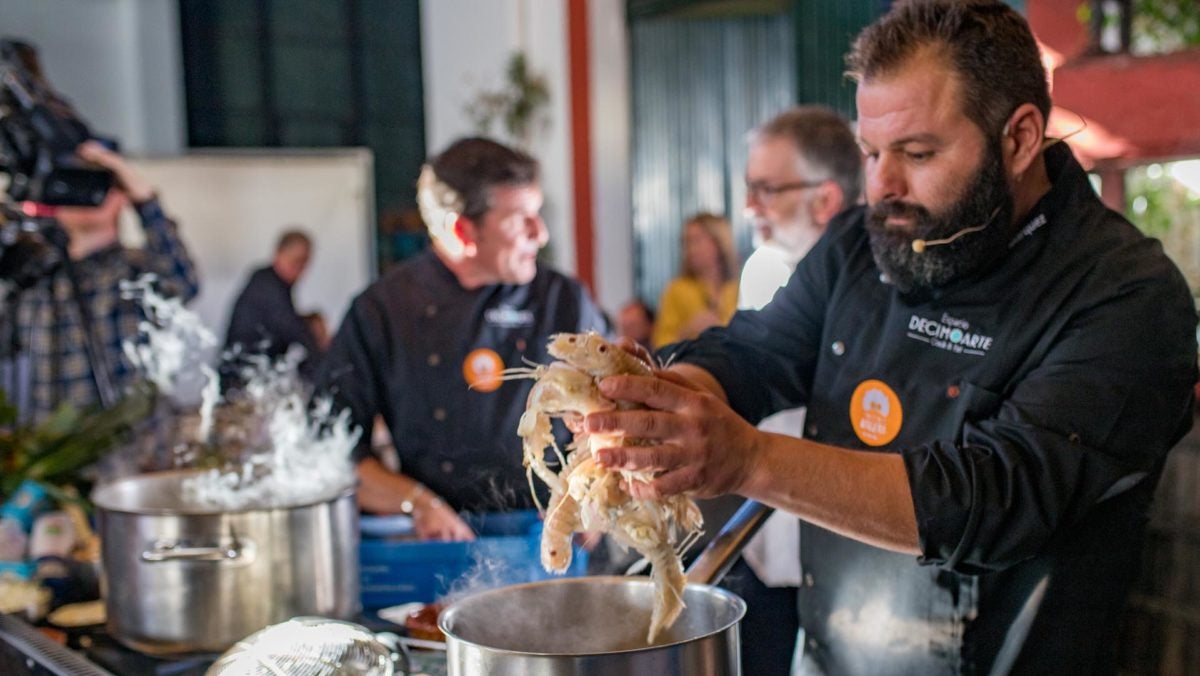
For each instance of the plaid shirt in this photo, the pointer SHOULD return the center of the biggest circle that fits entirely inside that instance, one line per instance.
(51, 330)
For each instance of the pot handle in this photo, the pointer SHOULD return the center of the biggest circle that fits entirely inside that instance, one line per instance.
(723, 550)
(174, 550)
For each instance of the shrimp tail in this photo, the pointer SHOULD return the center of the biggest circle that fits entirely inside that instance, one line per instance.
(669, 582)
(562, 520)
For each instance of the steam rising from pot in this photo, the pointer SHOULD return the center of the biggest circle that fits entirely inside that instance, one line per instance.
(266, 447)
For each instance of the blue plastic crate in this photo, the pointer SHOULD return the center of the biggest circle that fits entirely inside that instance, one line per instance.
(507, 551)
(22, 570)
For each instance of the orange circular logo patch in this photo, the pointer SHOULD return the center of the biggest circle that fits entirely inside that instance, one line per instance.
(482, 369)
(875, 412)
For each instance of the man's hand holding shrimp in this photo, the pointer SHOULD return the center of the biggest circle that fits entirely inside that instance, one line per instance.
(587, 497)
(703, 446)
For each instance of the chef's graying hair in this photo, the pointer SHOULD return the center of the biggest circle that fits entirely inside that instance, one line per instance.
(826, 145)
(462, 177)
(988, 44)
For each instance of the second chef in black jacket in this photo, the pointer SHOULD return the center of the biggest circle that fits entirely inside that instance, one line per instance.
(423, 345)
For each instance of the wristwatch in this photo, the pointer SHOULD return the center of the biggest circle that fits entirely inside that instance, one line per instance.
(409, 504)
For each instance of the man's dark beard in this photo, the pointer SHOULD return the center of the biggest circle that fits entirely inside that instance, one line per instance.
(987, 199)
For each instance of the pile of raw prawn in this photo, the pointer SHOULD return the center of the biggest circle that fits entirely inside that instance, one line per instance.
(587, 497)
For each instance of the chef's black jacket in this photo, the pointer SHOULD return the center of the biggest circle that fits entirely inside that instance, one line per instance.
(400, 352)
(1035, 402)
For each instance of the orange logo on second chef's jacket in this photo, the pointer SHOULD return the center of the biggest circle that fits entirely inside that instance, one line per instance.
(482, 369)
(875, 412)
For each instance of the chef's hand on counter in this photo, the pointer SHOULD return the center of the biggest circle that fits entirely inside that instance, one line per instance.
(382, 491)
(434, 520)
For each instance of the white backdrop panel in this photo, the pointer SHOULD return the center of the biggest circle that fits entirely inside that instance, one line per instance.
(232, 206)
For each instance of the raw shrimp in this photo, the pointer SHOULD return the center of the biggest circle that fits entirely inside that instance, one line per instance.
(590, 352)
(560, 391)
(562, 520)
(586, 496)
(642, 528)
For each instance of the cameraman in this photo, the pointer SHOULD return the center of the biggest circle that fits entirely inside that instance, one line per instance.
(50, 328)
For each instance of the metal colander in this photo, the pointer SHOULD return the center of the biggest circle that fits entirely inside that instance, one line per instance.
(309, 646)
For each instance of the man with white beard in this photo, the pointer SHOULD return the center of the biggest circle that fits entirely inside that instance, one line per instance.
(803, 168)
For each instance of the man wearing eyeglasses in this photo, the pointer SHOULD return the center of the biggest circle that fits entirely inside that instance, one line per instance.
(803, 168)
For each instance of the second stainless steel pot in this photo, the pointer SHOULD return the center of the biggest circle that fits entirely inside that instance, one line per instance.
(181, 578)
(590, 626)
(593, 626)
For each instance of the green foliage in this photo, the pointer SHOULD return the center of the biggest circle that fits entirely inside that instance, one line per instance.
(1166, 25)
(1164, 208)
(518, 104)
(55, 450)
(1151, 203)
(1158, 27)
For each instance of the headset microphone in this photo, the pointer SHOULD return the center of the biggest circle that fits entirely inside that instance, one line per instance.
(919, 245)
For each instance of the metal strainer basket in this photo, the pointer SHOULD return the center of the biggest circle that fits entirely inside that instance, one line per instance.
(312, 646)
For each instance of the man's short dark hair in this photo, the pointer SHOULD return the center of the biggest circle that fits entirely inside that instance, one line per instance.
(291, 238)
(986, 42)
(473, 166)
(824, 140)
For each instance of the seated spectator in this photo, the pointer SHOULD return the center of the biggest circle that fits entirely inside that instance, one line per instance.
(636, 321)
(264, 318)
(705, 293)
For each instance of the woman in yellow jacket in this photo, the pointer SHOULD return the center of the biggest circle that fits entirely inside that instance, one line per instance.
(705, 294)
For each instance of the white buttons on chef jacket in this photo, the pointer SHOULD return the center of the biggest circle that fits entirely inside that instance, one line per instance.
(434, 359)
(808, 580)
(838, 348)
(439, 413)
(447, 466)
(812, 430)
(430, 310)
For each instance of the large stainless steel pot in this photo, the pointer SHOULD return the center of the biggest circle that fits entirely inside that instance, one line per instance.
(181, 578)
(593, 626)
(590, 626)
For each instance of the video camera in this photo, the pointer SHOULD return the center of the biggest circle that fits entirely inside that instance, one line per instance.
(39, 133)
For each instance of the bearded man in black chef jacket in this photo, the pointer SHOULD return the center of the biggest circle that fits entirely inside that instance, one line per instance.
(995, 366)
(424, 345)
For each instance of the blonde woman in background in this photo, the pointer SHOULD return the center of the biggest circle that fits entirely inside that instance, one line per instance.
(705, 293)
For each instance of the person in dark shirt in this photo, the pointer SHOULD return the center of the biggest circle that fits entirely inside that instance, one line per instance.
(994, 364)
(264, 318)
(424, 345)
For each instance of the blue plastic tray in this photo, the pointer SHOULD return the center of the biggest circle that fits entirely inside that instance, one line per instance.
(507, 551)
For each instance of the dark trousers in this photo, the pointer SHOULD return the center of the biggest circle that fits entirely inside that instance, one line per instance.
(772, 620)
